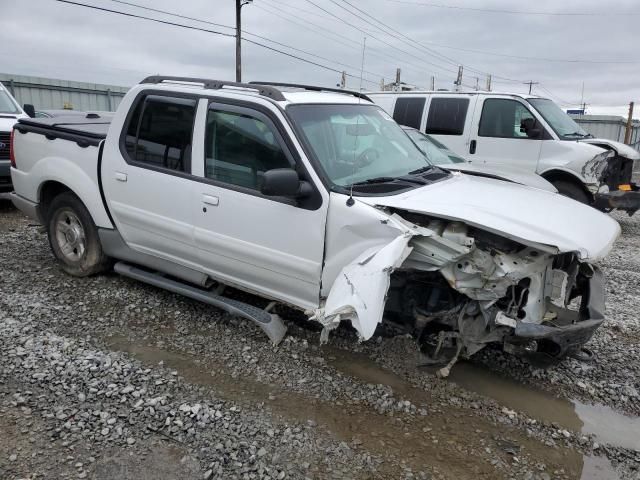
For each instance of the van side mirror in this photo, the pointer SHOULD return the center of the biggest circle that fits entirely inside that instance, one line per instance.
(284, 182)
(29, 110)
(534, 133)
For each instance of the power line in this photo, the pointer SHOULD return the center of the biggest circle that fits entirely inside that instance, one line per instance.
(413, 42)
(190, 27)
(378, 39)
(341, 38)
(515, 12)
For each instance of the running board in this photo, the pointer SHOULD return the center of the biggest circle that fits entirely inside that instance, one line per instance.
(270, 323)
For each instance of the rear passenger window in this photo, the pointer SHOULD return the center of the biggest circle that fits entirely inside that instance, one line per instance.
(159, 132)
(504, 118)
(408, 111)
(447, 116)
(240, 148)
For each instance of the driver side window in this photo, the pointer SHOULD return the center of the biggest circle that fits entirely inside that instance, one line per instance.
(505, 118)
(239, 148)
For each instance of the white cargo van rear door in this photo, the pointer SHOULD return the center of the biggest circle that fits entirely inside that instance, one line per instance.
(505, 132)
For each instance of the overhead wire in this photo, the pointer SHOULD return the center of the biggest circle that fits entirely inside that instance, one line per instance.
(191, 27)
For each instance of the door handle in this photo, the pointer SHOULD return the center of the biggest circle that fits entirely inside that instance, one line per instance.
(211, 200)
(472, 147)
(121, 177)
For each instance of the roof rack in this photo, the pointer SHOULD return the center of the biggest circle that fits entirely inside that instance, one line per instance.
(263, 89)
(314, 88)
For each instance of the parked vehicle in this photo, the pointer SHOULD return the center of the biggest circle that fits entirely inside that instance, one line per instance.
(440, 155)
(315, 200)
(526, 132)
(10, 112)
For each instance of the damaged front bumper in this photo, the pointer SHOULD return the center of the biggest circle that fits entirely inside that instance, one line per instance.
(628, 200)
(549, 342)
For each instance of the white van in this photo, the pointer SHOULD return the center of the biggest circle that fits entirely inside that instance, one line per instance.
(523, 131)
(10, 112)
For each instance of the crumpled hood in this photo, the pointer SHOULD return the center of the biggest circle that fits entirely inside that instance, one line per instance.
(623, 150)
(524, 214)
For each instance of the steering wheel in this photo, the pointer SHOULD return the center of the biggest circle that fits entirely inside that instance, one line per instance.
(367, 157)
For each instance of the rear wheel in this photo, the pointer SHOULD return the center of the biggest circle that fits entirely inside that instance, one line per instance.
(74, 237)
(572, 190)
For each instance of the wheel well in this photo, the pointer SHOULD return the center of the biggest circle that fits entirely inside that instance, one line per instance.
(49, 191)
(560, 176)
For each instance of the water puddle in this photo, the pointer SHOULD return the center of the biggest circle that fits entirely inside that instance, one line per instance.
(606, 424)
(422, 443)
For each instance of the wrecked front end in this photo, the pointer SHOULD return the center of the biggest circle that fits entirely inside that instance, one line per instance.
(458, 288)
(613, 184)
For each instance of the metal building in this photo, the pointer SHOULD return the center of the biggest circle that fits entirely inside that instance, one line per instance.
(53, 94)
(611, 127)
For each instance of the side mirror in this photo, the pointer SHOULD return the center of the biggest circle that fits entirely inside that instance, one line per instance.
(283, 182)
(534, 133)
(29, 110)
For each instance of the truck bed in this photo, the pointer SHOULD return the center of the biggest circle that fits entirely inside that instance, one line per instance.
(90, 130)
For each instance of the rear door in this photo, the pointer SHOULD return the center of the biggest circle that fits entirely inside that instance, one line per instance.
(271, 245)
(449, 119)
(501, 134)
(147, 177)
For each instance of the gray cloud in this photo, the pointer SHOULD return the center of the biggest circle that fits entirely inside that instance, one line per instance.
(47, 38)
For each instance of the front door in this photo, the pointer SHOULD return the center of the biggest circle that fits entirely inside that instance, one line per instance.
(505, 134)
(273, 246)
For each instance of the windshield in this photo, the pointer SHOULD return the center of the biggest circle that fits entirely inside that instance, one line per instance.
(7, 105)
(356, 143)
(435, 151)
(561, 123)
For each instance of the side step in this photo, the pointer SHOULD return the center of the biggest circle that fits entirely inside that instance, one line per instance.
(270, 323)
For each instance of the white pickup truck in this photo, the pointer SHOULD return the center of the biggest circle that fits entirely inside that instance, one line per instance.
(315, 200)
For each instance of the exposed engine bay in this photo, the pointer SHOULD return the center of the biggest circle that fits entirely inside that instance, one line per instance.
(457, 289)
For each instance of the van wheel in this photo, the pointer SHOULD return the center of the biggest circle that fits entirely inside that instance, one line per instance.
(572, 190)
(74, 237)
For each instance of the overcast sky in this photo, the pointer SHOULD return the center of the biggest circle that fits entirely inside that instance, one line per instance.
(53, 39)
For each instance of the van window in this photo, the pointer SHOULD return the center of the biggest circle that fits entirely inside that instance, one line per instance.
(240, 148)
(447, 116)
(505, 118)
(408, 111)
(159, 132)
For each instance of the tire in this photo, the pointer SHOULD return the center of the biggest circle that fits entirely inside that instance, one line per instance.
(73, 237)
(572, 190)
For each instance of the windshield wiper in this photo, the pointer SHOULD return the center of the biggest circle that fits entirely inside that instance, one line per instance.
(424, 169)
(576, 134)
(374, 180)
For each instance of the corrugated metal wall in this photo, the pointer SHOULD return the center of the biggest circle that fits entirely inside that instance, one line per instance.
(610, 127)
(53, 94)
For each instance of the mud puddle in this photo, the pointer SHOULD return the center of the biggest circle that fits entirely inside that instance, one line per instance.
(451, 443)
(606, 424)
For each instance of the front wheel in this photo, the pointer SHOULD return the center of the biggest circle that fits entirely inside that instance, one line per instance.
(74, 237)
(572, 190)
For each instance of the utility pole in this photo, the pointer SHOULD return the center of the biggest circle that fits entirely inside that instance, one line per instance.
(488, 83)
(458, 81)
(531, 84)
(343, 79)
(382, 84)
(627, 131)
(239, 5)
(397, 79)
(433, 83)
(477, 84)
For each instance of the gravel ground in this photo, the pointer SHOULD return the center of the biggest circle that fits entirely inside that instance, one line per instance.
(108, 378)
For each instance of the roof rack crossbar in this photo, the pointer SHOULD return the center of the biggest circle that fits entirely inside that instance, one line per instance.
(262, 89)
(314, 88)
